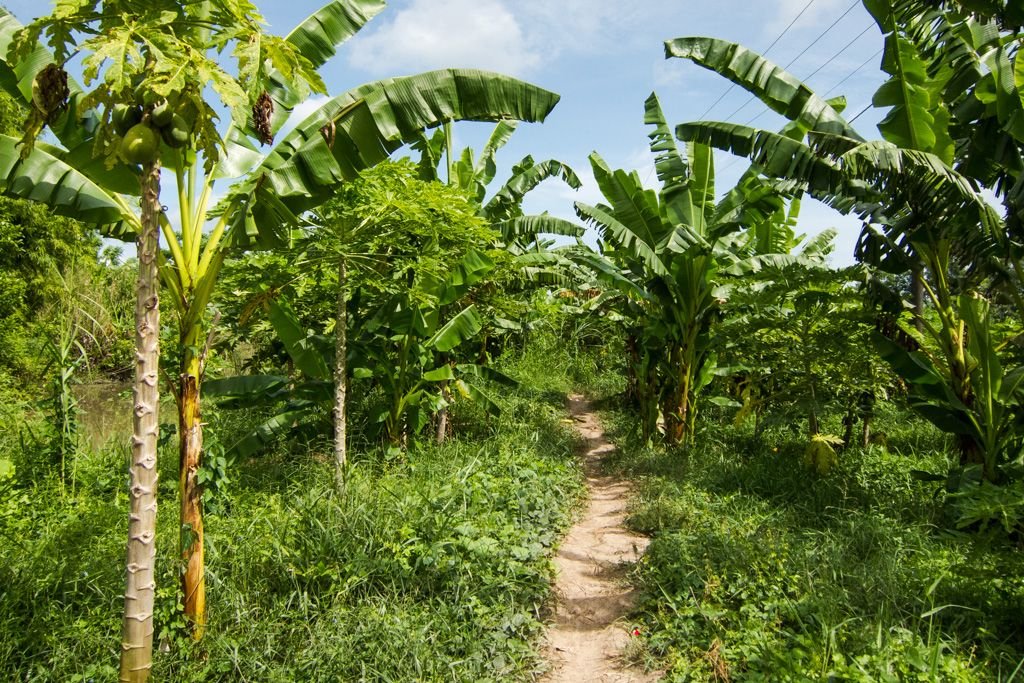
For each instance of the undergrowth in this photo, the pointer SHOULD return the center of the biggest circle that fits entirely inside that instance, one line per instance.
(435, 566)
(760, 570)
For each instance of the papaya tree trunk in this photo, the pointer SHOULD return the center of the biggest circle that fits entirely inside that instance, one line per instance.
(190, 434)
(867, 413)
(340, 379)
(140, 578)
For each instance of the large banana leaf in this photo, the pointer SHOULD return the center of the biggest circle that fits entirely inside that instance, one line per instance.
(45, 178)
(471, 269)
(862, 178)
(465, 325)
(486, 168)
(671, 166)
(630, 204)
(367, 124)
(526, 176)
(249, 387)
(529, 227)
(320, 34)
(778, 89)
(918, 118)
(778, 156)
(622, 236)
(307, 357)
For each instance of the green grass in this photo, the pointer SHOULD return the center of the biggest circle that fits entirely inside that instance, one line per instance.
(435, 567)
(764, 571)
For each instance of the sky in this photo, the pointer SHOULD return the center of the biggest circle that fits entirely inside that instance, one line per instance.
(604, 57)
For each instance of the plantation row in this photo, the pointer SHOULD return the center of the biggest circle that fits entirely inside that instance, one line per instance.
(368, 358)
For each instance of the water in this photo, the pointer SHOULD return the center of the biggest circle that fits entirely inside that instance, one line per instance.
(106, 412)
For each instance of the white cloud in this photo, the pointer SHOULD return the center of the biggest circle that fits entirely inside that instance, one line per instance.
(429, 35)
(513, 37)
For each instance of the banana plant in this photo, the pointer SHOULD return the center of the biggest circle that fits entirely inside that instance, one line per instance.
(267, 192)
(407, 344)
(667, 251)
(918, 190)
(473, 175)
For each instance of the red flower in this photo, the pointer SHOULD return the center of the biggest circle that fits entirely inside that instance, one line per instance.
(635, 632)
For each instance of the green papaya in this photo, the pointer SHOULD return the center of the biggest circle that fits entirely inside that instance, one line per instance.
(177, 133)
(139, 145)
(124, 117)
(162, 114)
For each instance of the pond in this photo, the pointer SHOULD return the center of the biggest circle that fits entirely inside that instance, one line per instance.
(106, 412)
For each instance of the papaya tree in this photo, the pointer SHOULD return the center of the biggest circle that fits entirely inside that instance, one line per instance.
(346, 134)
(407, 245)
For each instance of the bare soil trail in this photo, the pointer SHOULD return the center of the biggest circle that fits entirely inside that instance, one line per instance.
(587, 636)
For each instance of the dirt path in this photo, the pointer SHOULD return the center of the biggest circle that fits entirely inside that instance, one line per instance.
(586, 638)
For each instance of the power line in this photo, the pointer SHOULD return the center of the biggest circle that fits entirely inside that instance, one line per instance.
(833, 58)
(774, 43)
(866, 107)
(814, 42)
(838, 54)
(831, 26)
(853, 73)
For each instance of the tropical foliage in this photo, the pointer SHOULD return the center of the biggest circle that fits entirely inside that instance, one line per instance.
(386, 465)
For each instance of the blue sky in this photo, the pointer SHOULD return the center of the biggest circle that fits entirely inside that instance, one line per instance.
(604, 57)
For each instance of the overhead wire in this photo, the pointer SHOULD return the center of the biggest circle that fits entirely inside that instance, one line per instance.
(829, 61)
(816, 71)
(733, 85)
(767, 50)
(814, 42)
(838, 54)
(853, 73)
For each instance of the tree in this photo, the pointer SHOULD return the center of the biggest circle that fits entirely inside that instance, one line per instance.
(161, 54)
(504, 208)
(918, 193)
(666, 251)
(414, 251)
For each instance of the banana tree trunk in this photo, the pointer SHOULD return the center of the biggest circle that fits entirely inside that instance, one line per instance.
(140, 581)
(675, 401)
(917, 290)
(190, 433)
(442, 417)
(340, 379)
(632, 376)
(954, 346)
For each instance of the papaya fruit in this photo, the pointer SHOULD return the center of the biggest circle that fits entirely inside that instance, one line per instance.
(176, 133)
(162, 114)
(139, 145)
(124, 117)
